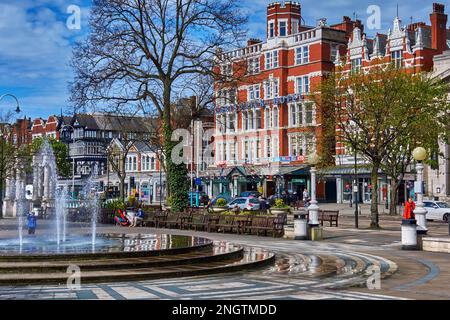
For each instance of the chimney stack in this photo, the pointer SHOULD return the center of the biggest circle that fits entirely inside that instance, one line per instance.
(439, 28)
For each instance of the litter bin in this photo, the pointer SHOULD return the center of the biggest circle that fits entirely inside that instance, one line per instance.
(300, 226)
(409, 234)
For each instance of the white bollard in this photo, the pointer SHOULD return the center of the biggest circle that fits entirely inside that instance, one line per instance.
(301, 227)
(409, 235)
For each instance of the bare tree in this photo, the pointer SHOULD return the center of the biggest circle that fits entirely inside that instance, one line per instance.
(142, 51)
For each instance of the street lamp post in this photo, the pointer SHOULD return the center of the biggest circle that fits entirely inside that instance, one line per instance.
(420, 154)
(73, 158)
(313, 209)
(160, 179)
(356, 191)
(1, 177)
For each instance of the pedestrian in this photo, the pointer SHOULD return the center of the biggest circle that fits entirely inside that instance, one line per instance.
(138, 218)
(31, 222)
(305, 198)
(410, 206)
(262, 204)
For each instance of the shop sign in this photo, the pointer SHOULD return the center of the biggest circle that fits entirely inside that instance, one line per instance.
(261, 103)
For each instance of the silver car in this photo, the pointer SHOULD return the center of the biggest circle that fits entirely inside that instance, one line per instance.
(437, 210)
(245, 204)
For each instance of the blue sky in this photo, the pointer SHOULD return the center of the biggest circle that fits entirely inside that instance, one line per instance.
(35, 43)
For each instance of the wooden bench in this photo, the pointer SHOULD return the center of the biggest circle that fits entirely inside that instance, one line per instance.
(149, 219)
(227, 223)
(172, 221)
(258, 224)
(160, 218)
(199, 222)
(331, 216)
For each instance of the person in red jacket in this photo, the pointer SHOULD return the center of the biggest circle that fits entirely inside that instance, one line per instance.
(410, 206)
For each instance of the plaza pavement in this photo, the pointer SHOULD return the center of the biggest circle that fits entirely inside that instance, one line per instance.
(419, 275)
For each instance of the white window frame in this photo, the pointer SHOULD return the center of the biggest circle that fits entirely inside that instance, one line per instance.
(286, 27)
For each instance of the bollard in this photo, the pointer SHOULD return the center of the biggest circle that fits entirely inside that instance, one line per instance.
(448, 219)
(300, 227)
(409, 234)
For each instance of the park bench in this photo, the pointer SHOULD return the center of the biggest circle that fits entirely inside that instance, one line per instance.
(213, 223)
(258, 224)
(149, 219)
(277, 225)
(227, 223)
(199, 222)
(172, 221)
(160, 218)
(330, 216)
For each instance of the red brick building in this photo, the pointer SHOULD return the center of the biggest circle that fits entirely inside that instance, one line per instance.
(45, 128)
(411, 48)
(268, 123)
(20, 133)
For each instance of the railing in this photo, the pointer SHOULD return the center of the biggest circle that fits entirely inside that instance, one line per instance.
(305, 35)
(239, 53)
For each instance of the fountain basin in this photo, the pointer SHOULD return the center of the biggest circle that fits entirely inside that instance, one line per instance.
(106, 246)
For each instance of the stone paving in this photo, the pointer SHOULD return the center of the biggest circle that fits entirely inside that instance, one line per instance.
(418, 275)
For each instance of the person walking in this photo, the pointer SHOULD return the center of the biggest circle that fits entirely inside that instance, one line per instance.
(410, 206)
(32, 222)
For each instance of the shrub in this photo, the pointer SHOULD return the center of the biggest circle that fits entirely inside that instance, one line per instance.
(116, 205)
(279, 204)
(221, 203)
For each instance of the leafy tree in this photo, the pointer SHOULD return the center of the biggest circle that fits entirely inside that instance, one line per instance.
(61, 152)
(383, 114)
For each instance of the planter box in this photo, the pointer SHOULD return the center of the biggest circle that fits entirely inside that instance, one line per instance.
(219, 209)
(276, 211)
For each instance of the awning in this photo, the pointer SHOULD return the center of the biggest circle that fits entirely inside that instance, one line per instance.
(345, 171)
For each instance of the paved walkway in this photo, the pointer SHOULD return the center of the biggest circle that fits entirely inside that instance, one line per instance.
(419, 275)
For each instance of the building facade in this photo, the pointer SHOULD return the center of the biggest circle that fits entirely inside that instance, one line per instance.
(145, 177)
(438, 180)
(410, 48)
(88, 136)
(269, 121)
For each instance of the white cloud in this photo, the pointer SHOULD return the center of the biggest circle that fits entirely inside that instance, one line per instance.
(35, 48)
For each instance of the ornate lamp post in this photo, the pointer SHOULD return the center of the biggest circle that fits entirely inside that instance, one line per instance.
(2, 137)
(420, 154)
(313, 160)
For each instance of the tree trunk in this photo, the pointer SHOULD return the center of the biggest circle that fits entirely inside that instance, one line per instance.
(176, 174)
(374, 216)
(393, 196)
(122, 188)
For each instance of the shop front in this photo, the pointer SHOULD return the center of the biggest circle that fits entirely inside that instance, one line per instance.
(344, 177)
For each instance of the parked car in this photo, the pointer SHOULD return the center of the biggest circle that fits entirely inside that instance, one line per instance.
(245, 204)
(250, 194)
(437, 210)
(226, 197)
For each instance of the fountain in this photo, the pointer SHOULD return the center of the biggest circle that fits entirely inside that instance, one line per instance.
(50, 202)
(57, 246)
